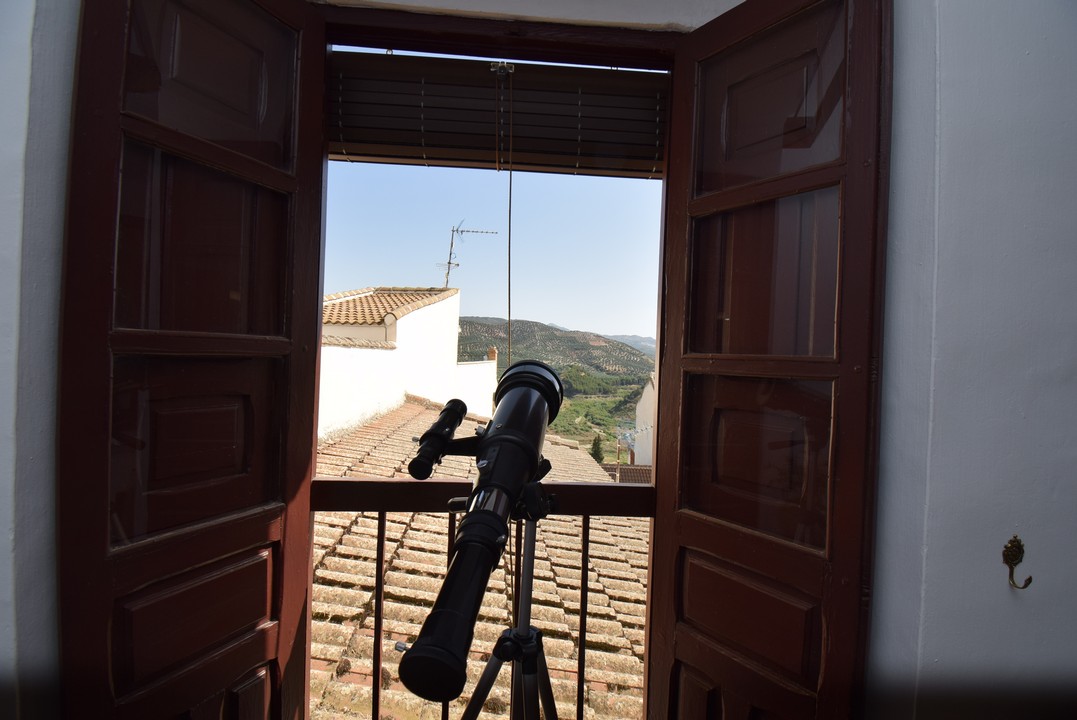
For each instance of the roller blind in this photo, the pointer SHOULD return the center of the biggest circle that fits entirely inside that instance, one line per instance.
(471, 113)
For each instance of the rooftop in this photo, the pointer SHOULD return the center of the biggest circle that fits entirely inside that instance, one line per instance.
(628, 473)
(370, 306)
(344, 557)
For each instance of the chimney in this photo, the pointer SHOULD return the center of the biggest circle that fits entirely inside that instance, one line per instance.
(491, 354)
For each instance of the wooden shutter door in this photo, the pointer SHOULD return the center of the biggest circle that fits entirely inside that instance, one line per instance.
(765, 463)
(189, 346)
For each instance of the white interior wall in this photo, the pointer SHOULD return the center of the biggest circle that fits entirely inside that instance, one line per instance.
(15, 74)
(980, 367)
(643, 14)
(37, 48)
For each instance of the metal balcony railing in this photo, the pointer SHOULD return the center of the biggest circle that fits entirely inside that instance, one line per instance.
(617, 511)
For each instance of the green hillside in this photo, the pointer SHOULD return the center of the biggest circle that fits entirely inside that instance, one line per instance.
(560, 349)
(603, 378)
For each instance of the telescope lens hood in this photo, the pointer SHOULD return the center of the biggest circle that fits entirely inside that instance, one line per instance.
(537, 376)
(433, 673)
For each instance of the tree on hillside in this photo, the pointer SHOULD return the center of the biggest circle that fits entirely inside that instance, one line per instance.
(596, 449)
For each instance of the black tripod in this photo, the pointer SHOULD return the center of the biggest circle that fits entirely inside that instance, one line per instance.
(521, 645)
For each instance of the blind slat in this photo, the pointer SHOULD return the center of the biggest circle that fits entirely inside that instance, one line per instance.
(445, 111)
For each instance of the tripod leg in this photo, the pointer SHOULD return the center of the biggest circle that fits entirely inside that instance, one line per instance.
(545, 687)
(482, 688)
(529, 688)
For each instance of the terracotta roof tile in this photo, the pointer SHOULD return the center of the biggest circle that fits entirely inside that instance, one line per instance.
(415, 546)
(369, 306)
(640, 474)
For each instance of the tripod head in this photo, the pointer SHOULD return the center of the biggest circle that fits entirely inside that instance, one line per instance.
(509, 460)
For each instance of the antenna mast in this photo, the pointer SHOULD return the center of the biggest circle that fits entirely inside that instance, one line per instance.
(451, 262)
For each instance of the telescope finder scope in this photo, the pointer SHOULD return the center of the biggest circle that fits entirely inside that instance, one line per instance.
(435, 441)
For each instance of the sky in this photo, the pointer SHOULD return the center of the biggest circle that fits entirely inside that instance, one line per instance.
(584, 249)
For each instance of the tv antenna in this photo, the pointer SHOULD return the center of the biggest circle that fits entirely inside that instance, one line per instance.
(451, 263)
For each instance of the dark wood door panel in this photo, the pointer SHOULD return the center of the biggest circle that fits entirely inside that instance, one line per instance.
(178, 621)
(189, 357)
(196, 688)
(138, 565)
(765, 277)
(251, 698)
(757, 453)
(192, 440)
(732, 683)
(198, 250)
(752, 615)
(222, 72)
(763, 475)
(801, 568)
(774, 105)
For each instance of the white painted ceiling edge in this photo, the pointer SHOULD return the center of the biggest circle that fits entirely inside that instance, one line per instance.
(636, 14)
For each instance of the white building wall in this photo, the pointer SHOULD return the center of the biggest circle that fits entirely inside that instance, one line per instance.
(475, 385)
(356, 384)
(646, 413)
(426, 341)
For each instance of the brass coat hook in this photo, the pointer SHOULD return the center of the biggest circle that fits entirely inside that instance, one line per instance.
(1012, 555)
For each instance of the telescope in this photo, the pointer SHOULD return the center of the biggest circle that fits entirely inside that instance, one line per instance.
(509, 460)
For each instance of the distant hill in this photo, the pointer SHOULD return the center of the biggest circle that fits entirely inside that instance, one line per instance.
(561, 349)
(603, 377)
(645, 345)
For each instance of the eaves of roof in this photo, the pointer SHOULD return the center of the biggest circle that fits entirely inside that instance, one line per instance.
(347, 342)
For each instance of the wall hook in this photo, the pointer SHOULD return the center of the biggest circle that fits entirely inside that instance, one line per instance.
(1012, 555)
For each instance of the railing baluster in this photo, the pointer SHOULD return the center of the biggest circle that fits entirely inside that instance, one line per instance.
(585, 579)
(379, 593)
(448, 558)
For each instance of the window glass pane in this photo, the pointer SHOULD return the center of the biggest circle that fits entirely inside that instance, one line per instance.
(758, 124)
(757, 453)
(765, 278)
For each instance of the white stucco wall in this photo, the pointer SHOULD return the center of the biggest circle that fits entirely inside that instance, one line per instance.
(37, 45)
(356, 384)
(426, 342)
(980, 366)
(475, 385)
(645, 420)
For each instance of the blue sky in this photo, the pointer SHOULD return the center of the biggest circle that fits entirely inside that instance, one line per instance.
(584, 249)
